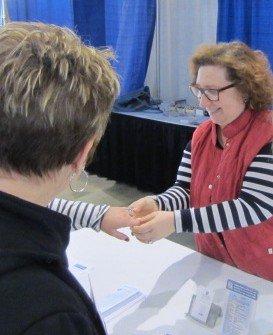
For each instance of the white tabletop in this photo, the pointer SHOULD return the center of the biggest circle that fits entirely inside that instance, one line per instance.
(156, 115)
(168, 274)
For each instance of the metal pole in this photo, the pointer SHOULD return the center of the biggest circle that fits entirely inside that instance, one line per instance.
(4, 12)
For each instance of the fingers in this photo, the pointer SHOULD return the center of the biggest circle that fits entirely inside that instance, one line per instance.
(142, 229)
(136, 209)
(145, 240)
(139, 207)
(146, 232)
(147, 218)
(117, 234)
(145, 224)
(133, 204)
(132, 221)
(147, 237)
(130, 211)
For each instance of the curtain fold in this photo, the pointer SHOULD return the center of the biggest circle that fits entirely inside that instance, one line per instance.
(249, 21)
(181, 26)
(126, 26)
(89, 20)
(129, 30)
(48, 11)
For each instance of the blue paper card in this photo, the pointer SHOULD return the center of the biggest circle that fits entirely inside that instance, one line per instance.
(240, 308)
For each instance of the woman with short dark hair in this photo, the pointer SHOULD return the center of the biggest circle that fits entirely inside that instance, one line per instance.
(56, 94)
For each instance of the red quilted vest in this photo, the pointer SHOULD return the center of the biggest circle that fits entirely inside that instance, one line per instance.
(217, 175)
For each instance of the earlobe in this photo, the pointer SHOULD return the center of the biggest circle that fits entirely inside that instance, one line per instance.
(80, 161)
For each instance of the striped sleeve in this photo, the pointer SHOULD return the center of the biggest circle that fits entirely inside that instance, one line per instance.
(253, 206)
(82, 214)
(177, 196)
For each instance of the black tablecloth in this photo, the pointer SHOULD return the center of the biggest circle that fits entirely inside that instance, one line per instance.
(142, 152)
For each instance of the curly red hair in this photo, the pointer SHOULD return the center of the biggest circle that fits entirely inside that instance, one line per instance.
(249, 68)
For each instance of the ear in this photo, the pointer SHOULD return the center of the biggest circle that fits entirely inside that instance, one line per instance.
(81, 159)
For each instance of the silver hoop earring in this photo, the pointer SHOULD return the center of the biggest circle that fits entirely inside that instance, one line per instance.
(78, 183)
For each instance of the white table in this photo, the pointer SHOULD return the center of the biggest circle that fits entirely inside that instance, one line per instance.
(153, 114)
(168, 274)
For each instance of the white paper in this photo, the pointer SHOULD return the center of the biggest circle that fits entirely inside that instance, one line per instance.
(81, 272)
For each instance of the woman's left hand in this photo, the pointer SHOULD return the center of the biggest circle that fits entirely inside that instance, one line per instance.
(115, 218)
(154, 226)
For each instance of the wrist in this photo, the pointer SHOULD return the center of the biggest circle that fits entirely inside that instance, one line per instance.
(172, 222)
(103, 219)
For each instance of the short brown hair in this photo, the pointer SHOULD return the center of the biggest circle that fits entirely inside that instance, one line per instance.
(55, 93)
(249, 68)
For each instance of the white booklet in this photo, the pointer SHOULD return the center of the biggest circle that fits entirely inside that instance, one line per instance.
(81, 273)
(120, 300)
(113, 304)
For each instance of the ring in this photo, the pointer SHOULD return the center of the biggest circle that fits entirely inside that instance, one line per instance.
(130, 211)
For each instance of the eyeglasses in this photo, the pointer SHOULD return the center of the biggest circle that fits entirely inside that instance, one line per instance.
(211, 93)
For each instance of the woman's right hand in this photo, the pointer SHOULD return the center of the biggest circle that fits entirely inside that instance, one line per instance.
(144, 206)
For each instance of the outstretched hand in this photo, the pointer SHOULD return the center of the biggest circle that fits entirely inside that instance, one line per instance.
(154, 226)
(115, 218)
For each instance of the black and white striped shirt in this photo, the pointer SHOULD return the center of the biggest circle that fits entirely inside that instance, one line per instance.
(253, 206)
(82, 214)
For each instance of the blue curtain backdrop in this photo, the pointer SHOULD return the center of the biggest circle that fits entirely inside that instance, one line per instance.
(249, 21)
(89, 20)
(48, 11)
(132, 40)
(125, 25)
